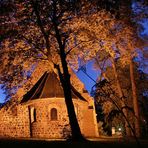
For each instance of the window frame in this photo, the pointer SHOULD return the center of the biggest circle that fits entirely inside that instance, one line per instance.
(53, 114)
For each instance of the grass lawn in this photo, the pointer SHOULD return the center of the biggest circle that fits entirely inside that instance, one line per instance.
(13, 143)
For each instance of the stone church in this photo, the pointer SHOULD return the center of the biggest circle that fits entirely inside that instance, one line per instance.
(42, 112)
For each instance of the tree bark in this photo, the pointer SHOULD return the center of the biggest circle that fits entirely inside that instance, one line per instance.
(135, 99)
(121, 95)
(65, 80)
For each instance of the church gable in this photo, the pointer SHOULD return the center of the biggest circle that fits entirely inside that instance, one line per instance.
(49, 86)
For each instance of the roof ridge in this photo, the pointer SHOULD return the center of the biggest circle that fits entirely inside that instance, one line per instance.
(49, 86)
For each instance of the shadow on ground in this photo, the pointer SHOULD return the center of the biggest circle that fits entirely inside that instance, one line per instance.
(27, 143)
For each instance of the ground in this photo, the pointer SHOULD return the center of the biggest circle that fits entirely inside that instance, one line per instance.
(91, 143)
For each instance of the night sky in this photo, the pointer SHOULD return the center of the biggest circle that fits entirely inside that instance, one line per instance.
(2, 96)
(89, 83)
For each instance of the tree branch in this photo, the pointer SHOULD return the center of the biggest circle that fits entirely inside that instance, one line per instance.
(40, 25)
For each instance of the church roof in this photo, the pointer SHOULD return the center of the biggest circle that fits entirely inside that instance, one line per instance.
(49, 86)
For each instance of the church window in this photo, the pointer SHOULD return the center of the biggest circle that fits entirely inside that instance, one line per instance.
(90, 107)
(32, 114)
(53, 114)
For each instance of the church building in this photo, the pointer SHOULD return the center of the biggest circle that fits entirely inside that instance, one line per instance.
(42, 112)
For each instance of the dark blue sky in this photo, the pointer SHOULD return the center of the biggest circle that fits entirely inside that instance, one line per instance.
(85, 79)
(2, 96)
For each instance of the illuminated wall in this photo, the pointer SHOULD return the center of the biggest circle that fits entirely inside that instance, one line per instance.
(46, 118)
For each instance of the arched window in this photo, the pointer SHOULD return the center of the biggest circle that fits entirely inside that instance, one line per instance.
(53, 114)
(32, 114)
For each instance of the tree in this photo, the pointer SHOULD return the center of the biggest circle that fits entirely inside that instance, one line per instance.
(101, 63)
(103, 92)
(39, 24)
(118, 38)
(123, 73)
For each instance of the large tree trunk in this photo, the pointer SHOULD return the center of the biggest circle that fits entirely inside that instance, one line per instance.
(76, 132)
(121, 95)
(65, 80)
(135, 99)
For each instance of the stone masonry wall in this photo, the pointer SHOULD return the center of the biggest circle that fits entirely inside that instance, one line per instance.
(14, 122)
(17, 123)
(44, 127)
(89, 125)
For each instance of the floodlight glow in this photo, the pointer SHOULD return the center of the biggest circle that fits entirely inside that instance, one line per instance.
(119, 129)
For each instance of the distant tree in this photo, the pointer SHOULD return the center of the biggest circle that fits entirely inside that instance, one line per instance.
(124, 77)
(106, 57)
